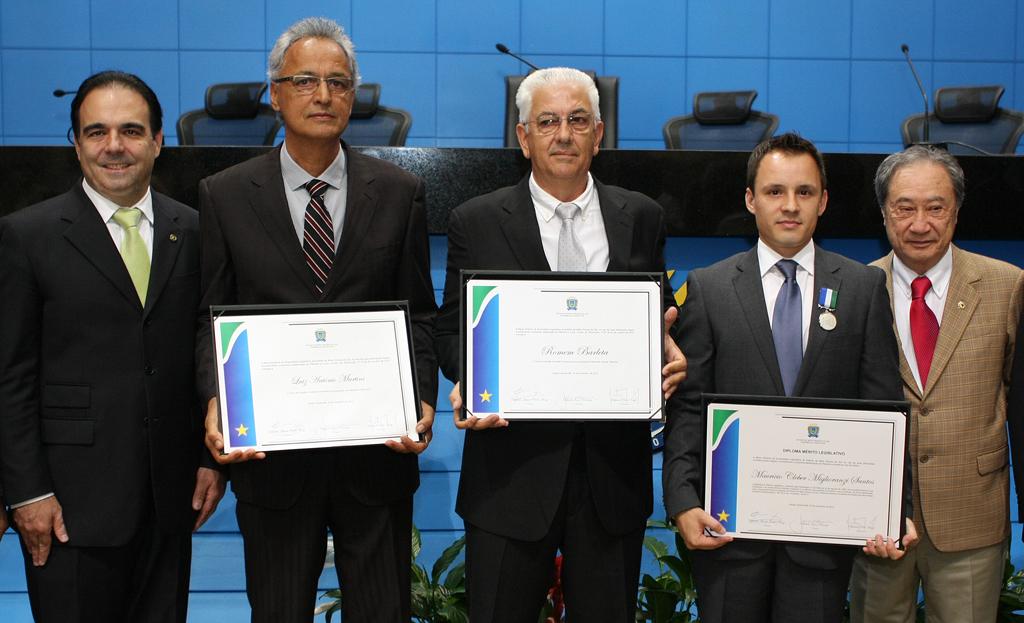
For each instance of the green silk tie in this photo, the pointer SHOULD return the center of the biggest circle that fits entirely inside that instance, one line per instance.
(133, 249)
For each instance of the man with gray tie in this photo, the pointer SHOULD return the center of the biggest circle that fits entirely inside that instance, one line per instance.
(749, 325)
(529, 489)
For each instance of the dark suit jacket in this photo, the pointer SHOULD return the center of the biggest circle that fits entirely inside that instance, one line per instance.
(97, 399)
(726, 336)
(251, 254)
(512, 478)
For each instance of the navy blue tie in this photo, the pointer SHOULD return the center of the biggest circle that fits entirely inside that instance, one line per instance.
(787, 328)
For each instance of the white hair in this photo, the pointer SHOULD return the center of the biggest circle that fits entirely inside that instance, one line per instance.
(317, 27)
(553, 76)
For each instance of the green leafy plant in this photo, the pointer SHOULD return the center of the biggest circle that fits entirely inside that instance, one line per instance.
(437, 597)
(669, 597)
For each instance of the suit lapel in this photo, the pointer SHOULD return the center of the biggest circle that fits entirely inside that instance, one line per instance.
(905, 372)
(826, 275)
(954, 317)
(166, 243)
(267, 199)
(360, 207)
(750, 294)
(519, 224)
(618, 228)
(89, 234)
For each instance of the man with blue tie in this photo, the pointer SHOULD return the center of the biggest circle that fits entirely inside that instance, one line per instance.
(752, 324)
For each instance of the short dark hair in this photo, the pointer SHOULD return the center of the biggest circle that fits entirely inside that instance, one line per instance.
(790, 143)
(122, 79)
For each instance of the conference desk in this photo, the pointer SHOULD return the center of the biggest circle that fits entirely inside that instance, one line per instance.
(701, 191)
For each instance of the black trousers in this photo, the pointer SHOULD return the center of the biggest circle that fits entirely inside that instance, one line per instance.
(507, 580)
(144, 581)
(770, 588)
(285, 552)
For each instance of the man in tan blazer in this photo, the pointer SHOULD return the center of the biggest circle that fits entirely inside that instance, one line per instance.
(955, 314)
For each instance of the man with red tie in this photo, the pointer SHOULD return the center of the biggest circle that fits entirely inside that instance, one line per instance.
(956, 315)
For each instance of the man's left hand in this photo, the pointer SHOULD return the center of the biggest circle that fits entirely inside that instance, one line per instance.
(674, 371)
(880, 547)
(423, 427)
(210, 485)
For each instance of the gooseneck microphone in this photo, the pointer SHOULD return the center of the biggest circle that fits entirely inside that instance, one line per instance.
(62, 92)
(501, 47)
(906, 53)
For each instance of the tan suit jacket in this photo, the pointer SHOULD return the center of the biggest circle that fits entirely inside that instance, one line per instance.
(958, 441)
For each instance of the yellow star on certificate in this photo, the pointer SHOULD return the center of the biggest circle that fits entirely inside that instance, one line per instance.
(723, 516)
(486, 396)
(242, 430)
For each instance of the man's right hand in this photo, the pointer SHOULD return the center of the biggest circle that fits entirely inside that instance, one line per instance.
(215, 441)
(472, 422)
(692, 524)
(37, 522)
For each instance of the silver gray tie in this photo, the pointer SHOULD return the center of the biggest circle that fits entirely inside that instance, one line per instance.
(570, 252)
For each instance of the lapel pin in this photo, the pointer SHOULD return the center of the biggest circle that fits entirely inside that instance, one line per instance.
(827, 301)
(173, 237)
(961, 305)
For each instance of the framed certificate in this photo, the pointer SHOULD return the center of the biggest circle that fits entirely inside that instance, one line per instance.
(805, 469)
(562, 346)
(314, 376)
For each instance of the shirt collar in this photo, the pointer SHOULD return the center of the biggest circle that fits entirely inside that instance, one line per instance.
(106, 207)
(939, 274)
(295, 177)
(546, 203)
(767, 257)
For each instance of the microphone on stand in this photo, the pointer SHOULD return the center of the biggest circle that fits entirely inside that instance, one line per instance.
(501, 47)
(906, 53)
(62, 92)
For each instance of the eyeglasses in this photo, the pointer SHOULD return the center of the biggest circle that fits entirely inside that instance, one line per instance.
(933, 212)
(548, 124)
(337, 85)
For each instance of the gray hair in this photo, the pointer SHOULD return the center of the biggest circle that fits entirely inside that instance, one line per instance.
(555, 76)
(317, 27)
(913, 155)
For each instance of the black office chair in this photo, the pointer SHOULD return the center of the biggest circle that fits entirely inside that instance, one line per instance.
(234, 115)
(968, 115)
(373, 124)
(607, 92)
(721, 121)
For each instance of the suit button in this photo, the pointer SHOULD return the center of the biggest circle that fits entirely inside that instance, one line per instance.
(925, 458)
(925, 412)
(145, 421)
(149, 370)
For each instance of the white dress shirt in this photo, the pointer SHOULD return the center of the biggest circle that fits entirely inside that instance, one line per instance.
(772, 279)
(589, 225)
(935, 298)
(107, 208)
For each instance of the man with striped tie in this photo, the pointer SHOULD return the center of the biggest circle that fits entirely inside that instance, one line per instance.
(314, 222)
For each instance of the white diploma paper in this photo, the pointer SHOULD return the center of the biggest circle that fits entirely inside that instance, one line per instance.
(557, 349)
(312, 379)
(802, 474)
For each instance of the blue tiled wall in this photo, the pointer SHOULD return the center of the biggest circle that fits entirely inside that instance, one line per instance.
(830, 69)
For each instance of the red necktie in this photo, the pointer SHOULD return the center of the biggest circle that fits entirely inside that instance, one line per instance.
(924, 328)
